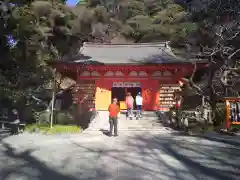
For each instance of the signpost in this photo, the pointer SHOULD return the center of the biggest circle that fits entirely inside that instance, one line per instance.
(232, 105)
(126, 84)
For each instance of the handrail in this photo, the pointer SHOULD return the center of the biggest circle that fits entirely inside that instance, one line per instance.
(9, 122)
(5, 121)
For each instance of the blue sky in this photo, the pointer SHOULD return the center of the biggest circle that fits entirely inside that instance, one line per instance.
(72, 2)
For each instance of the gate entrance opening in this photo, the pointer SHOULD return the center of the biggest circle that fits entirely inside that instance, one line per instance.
(121, 92)
(134, 91)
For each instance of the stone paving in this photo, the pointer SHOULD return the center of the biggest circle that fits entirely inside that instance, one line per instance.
(149, 122)
(134, 155)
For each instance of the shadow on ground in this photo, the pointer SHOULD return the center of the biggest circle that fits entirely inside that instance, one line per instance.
(105, 132)
(164, 158)
(218, 136)
(86, 118)
(4, 133)
(29, 167)
(139, 156)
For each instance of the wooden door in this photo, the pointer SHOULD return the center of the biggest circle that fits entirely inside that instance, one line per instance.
(103, 99)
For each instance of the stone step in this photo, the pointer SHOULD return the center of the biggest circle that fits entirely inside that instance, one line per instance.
(142, 119)
(130, 124)
(130, 129)
(140, 126)
(148, 122)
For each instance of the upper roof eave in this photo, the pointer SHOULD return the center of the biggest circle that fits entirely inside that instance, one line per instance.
(156, 53)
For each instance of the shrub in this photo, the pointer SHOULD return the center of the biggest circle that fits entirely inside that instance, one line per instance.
(60, 117)
(64, 118)
(42, 117)
(57, 129)
(220, 114)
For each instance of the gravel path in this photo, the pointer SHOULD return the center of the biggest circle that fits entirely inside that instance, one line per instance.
(140, 155)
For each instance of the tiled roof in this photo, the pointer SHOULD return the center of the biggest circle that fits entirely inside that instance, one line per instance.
(137, 53)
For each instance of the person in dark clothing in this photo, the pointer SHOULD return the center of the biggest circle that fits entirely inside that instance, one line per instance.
(113, 117)
(15, 129)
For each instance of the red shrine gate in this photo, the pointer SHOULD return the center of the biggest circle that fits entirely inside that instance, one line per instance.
(114, 69)
(96, 82)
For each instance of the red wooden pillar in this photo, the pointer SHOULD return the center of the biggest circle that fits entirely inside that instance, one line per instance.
(228, 121)
(150, 94)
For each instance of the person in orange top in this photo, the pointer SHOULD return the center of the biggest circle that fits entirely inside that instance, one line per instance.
(113, 117)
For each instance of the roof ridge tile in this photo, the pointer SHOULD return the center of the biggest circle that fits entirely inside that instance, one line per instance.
(112, 45)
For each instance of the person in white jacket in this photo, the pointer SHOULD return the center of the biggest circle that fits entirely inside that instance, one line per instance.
(139, 103)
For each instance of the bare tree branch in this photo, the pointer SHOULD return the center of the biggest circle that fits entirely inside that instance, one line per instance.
(235, 52)
(234, 36)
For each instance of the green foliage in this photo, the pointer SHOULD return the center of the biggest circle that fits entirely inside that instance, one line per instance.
(61, 117)
(57, 129)
(64, 118)
(136, 19)
(42, 117)
(46, 30)
(42, 31)
(220, 114)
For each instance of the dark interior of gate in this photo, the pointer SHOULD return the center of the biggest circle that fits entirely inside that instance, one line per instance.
(120, 93)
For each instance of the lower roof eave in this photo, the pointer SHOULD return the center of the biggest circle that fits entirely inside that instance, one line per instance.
(122, 64)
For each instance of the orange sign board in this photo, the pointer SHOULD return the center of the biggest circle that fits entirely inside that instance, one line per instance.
(232, 111)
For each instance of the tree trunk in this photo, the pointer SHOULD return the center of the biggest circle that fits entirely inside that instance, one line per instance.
(53, 98)
(212, 96)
